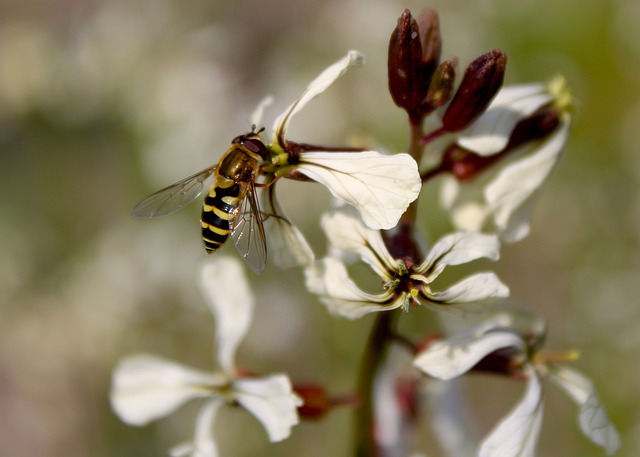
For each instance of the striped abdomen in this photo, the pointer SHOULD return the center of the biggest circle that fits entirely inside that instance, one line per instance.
(219, 211)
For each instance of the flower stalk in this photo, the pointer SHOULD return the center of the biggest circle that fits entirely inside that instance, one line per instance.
(381, 336)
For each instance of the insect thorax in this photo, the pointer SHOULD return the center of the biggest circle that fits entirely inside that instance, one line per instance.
(239, 164)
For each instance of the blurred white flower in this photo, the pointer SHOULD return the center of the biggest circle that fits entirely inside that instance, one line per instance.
(380, 186)
(403, 286)
(506, 192)
(517, 434)
(146, 387)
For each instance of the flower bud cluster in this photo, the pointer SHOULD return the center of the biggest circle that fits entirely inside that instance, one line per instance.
(419, 82)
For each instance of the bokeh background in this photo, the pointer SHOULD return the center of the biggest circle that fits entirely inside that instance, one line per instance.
(103, 102)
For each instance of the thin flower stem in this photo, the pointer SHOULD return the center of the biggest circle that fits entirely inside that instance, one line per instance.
(415, 150)
(426, 176)
(376, 349)
(382, 335)
(437, 133)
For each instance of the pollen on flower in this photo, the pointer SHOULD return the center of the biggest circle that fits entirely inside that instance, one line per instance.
(556, 357)
(562, 98)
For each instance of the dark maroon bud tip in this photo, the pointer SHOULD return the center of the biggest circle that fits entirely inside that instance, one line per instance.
(482, 80)
(405, 51)
(316, 402)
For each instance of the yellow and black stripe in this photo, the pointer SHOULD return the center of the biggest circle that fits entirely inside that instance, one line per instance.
(219, 211)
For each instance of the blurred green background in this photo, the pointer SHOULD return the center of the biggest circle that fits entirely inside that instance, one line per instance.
(103, 102)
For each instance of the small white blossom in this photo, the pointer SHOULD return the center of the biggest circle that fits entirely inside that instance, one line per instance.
(347, 235)
(147, 387)
(517, 434)
(380, 186)
(505, 194)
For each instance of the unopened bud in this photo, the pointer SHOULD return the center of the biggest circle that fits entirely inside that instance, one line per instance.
(405, 56)
(534, 127)
(482, 80)
(316, 402)
(463, 163)
(414, 54)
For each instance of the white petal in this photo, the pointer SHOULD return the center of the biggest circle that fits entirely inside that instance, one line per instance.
(593, 419)
(272, 401)
(465, 202)
(317, 86)
(229, 295)
(330, 280)
(458, 248)
(256, 116)
(509, 195)
(395, 387)
(145, 387)
(475, 288)
(450, 416)
(490, 132)
(517, 434)
(346, 232)
(287, 245)
(389, 411)
(380, 186)
(203, 444)
(455, 356)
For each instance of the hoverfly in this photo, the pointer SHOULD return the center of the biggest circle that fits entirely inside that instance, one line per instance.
(231, 206)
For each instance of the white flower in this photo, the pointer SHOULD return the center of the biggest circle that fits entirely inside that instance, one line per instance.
(380, 186)
(517, 434)
(146, 387)
(347, 235)
(505, 194)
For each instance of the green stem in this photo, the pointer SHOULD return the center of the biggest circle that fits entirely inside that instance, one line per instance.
(382, 335)
(374, 354)
(415, 150)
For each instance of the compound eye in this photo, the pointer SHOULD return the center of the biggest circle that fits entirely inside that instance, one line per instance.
(256, 146)
(238, 140)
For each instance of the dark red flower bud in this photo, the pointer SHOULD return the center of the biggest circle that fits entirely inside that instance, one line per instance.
(316, 401)
(482, 79)
(414, 54)
(465, 164)
(534, 127)
(405, 56)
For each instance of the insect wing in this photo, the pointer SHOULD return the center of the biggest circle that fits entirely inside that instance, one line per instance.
(172, 198)
(247, 232)
(287, 246)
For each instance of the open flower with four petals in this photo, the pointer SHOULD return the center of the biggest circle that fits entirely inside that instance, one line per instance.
(147, 387)
(403, 285)
(502, 345)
